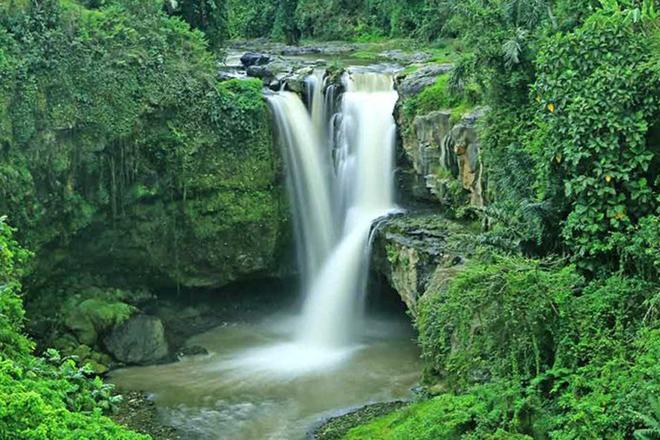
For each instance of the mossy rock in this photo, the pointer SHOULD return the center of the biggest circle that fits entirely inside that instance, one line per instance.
(90, 318)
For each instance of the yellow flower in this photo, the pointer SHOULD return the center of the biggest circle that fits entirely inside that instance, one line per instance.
(551, 107)
(608, 178)
(558, 157)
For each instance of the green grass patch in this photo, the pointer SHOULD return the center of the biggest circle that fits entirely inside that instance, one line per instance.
(446, 417)
(439, 96)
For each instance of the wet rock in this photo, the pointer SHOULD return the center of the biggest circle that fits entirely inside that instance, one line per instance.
(227, 74)
(139, 340)
(300, 50)
(403, 57)
(261, 72)
(97, 367)
(137, 411)
(193, 350)
(254, 59)
(82, 327)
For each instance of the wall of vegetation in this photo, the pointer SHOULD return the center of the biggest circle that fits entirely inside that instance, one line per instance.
(121, 153)
(553, 331)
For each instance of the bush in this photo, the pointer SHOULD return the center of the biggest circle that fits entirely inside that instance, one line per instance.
(43, 399)
(497, 319)
(598, 95)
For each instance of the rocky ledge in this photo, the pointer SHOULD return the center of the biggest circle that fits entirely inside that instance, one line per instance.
(419, 251)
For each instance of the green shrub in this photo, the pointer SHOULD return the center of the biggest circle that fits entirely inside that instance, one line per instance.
(486, 412)
(598, 95)
(586, 357)
(12, 261)
(439, 96)
(44, 398)
(496, 319)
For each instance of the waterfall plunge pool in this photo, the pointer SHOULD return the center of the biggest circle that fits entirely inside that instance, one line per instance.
(257, 383)
(275, 378)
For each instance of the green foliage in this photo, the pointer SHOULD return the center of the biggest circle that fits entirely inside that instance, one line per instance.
(594, 115)
(209, 16)
(487, 412)
(40, 402)
(556, 119)
(251, 19)
(118, 145)
(607, 361)
(12, 261)
(518, 348)
(358, 20)
(652, 422)
(443, 418)
(43, 398)
(497, 318)
(440, 96)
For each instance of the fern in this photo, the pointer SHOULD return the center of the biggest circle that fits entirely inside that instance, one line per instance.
(652, 422)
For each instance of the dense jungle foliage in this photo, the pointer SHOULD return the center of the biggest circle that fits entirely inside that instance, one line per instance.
(125, 166)
(553, 333)
(47, 397)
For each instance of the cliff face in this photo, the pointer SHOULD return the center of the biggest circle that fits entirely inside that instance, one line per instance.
(420, 251)
(439, 168)
(439, 158)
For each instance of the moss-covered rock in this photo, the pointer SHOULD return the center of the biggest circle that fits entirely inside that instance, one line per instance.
(439, 157)
(417, 251)
(123, 156)
(93, 316)
(139, 340)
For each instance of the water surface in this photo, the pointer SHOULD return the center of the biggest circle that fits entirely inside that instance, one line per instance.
(257, 383)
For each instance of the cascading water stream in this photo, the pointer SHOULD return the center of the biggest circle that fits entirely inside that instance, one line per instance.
(309, 182)
(361, 192)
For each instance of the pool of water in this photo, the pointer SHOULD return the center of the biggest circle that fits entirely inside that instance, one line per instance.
(257, 383)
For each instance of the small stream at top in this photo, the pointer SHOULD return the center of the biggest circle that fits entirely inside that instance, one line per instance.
(275, 378)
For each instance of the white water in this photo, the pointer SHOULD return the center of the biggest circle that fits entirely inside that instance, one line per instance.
(358, 191)
(363, 192)
(309, 182)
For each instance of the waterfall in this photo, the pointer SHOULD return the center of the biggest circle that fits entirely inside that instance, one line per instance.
(337, 197)
(309, 180)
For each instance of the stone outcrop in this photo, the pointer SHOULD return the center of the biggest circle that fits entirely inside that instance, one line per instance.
(465, 142)
(139, 340)
(254, 59)
(416, 252)
(412, 83)
(439, 157)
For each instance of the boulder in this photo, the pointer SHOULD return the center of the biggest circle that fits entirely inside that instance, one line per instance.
(254, 59)
(139, 340)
